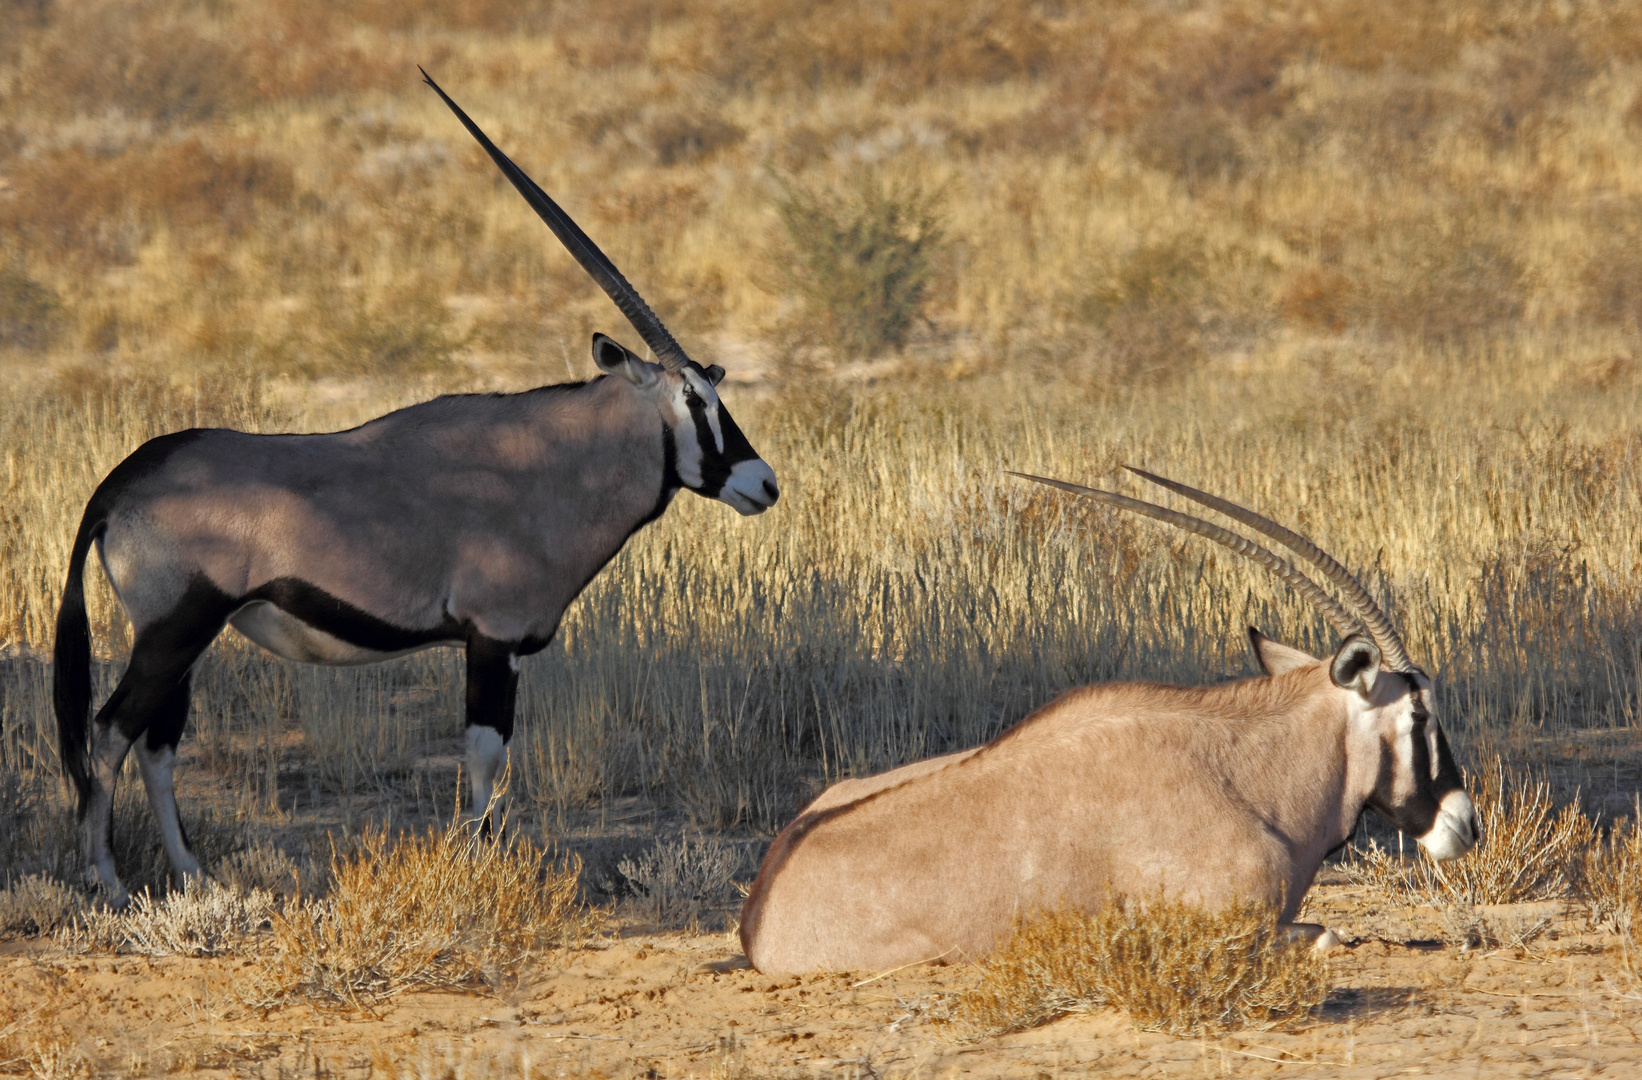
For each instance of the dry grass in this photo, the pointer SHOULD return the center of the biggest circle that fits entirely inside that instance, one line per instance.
(36, 904)
(448, 909)
(684, 883)
(1168, 966)
(1612, 884)
(1531, 850)
(181, 180)
(197, 920)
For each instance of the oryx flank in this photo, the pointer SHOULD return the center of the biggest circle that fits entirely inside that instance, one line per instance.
(468, 520)
(1213, 794)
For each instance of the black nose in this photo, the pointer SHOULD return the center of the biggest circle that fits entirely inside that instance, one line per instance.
(771, 490)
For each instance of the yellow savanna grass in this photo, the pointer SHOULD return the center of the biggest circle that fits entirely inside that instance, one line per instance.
(445, 909)
(1167, 965)
(1131, 189)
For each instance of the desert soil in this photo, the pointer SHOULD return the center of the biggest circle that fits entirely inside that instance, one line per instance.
(648, 1005)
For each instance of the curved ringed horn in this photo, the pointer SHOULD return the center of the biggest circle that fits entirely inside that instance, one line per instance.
(1357, 598)
(594, 261)
(1330, 608)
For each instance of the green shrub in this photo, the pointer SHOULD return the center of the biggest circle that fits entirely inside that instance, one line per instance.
(861, 261)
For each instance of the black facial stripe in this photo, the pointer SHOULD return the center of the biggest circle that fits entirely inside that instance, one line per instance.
(716, 466)
(322, 611)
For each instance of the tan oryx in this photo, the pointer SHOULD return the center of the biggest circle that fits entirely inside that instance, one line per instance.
(1211, 793)
(469, 520)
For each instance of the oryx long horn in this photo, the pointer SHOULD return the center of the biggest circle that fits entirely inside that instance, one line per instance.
(1357, 598)
(1338, 616)
(586, 252)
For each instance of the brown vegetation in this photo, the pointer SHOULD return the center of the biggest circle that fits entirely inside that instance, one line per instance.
(176, 181)
(444, 910)
(1166, 965)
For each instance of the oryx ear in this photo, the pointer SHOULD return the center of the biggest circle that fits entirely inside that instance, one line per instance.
(616, 359)
(1276, 658)
(715, 374)
(1356, 666)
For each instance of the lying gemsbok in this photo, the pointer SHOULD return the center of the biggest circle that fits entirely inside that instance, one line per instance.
(470, 520)
(1218, 793)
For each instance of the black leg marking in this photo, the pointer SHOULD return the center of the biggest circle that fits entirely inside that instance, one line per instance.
(493, 684)
(492, 688)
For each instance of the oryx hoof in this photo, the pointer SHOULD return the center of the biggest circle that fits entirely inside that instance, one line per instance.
(109, 895)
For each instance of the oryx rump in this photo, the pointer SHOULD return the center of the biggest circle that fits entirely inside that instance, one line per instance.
(1217, 793)
(468, 520)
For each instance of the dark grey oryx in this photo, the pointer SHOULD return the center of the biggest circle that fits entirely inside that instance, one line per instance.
(468, 520)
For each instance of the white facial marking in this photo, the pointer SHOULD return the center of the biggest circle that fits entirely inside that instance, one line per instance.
(745, 489)
(709, 396)
(1455, 830)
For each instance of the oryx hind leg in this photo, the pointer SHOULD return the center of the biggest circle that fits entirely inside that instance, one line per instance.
(157, 759)
(492, 690)
(147, 710)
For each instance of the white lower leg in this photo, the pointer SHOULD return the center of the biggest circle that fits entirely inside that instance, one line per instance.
(487, 756)
(158, 767)
(108, 750)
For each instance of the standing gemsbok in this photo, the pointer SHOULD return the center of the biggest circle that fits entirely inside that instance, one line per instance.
(1213, 794)
(468, 520)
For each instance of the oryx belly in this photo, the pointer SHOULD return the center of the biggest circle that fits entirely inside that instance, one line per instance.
(283, 634)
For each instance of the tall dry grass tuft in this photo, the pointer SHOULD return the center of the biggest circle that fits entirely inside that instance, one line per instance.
(1167, 965)
(1611, 882)
(444, 909)
(1531, 850)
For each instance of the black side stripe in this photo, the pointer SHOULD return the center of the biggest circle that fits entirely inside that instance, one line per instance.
(335, 616)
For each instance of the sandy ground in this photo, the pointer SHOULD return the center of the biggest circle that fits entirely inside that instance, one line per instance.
(653, 1006)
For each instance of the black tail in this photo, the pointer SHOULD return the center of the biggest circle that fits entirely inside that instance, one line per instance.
(71, 666)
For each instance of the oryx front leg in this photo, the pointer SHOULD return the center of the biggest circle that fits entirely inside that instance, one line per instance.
(492, 687)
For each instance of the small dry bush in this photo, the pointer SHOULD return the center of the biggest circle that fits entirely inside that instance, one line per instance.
(199, 919)
(1530, 850)
(678, 883)
(1169, 966)
(38, 904)
(445, 909)
(861, 260)
(1612, 880)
